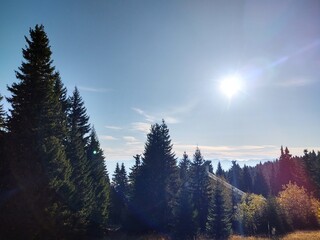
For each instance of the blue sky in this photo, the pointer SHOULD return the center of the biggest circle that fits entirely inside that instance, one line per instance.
(137, 62)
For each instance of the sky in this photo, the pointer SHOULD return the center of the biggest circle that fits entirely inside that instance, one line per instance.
(138, 62)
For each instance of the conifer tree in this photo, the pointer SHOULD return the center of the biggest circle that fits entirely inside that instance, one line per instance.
(235, 176)
(83, 198)
(184, 168)
(37, 154)
(119, 196)
(260, 185)
(184, 226)
(2, 115)
(134, 171)
(247, 179)
(100, 185)
(220, 172)
(200, 191)
(157, 183)
(219, 220)
(3, 160)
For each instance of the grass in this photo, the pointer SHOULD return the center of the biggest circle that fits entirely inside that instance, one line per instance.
(300, 235)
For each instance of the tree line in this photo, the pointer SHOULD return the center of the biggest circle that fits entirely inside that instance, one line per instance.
(54, 183)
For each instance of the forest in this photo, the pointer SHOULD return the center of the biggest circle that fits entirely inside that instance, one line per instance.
(54, 183)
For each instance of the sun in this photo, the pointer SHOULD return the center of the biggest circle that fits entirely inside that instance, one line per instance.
(231, 85)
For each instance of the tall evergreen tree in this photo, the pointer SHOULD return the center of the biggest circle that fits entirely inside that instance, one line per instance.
(260, 185)
(184, 168)
(83, 198)
(37, 155)
(219, 219)
(200, 191)
(119, 196)
(157, 183)
(100, 185)
(235, 176)
(2, 115)
(220, 172)
(184, 226)
(134, 171)
(247, 179)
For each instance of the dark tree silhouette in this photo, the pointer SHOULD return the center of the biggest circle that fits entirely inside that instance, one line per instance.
(219, 217)
(100, 186)
(82, 200)
(200, 191)
(157, 182)
(37, 155)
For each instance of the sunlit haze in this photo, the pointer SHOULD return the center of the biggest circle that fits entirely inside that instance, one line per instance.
(231, 85)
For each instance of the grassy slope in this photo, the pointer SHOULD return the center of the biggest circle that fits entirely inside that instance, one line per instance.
(302, 235)
(309, 235)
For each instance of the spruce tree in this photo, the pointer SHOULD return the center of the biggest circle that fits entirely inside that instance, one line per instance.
(2, 115)
(37, 155)
(100, 185)
(184, 168)
(219, 220)
(157, 183)
(184, 227)
(200, 191)
(260, 185)
(247, 179)
(220, 172)
(83, 198)
(119, 196)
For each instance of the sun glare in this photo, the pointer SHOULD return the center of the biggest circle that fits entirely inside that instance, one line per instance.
(230, 85)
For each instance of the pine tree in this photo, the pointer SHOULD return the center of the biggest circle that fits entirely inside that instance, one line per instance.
(2, 115)
(3, 160)
(184, 226)
(37, 154)
(157, 183)
(100, 185)
(260, 185)
(83, 198)
(184, 168)
(119, 196)
(220, 172)
(200, 191)
(219, 220)
(134, 171)
(247, 179)
(235, 176)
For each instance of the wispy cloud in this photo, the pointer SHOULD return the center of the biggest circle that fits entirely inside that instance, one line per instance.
(95, 90)
(240, 153)
(152, 118)
(141, 127)
(296, 82)
(147, 117)
(171, 120)
(113, 127)
(130, 140)
(107, 138)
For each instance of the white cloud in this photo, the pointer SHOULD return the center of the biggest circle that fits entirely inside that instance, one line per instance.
(171, 120)
(96, 90)
(113, 127)
(107, 138)
(141, 127)
(241, 153)
(129, 139)
(147, 117)
(295, 82)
